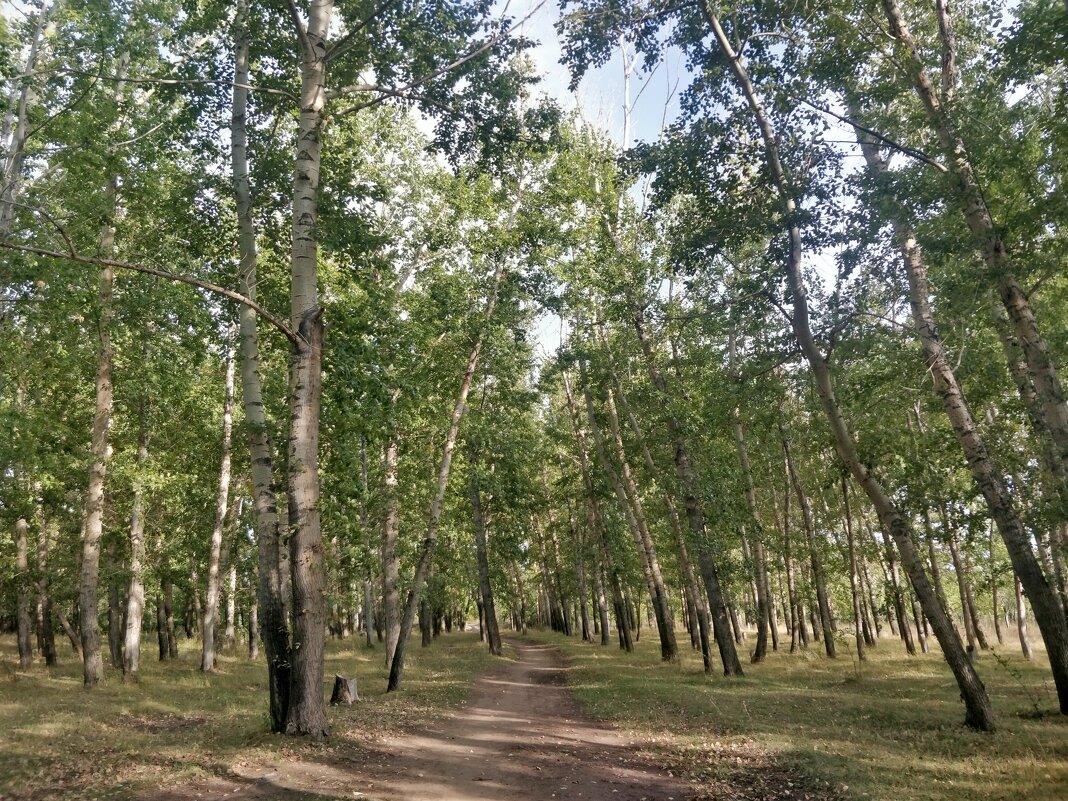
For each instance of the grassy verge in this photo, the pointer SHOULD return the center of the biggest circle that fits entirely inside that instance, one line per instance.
(802, 726)
(59, 741)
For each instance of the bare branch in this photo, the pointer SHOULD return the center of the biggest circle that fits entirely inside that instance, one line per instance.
(908, 151)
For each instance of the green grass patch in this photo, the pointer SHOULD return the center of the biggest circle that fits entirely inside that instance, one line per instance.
(890, 728)
(59, 741)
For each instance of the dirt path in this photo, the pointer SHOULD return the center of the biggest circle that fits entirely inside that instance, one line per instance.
(521, 737)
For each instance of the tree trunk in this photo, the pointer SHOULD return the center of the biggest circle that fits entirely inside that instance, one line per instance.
(810, 536)
(72, 635)
(979, 712)
(1041, 367)
(759, 569)
(46, 632)
(135, 593)
(161, 628)
(493, 634)
(858, 614)
(430, 542)
(1049, 613)
(694, 513)
(208, 656)
(23, 583)
(390, 557)
(1021, 619)
(272, 606)
(115, 627)
(630, 505)
(580, 573)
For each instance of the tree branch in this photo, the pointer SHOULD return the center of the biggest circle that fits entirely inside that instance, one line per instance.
(908, 151)
(208, 286)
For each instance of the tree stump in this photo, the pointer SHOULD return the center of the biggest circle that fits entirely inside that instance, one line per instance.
(344, 691)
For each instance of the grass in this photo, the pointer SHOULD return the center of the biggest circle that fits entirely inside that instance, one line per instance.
(890, 728)
(59, 741)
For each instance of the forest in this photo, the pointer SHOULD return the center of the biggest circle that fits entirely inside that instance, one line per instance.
(669, 383)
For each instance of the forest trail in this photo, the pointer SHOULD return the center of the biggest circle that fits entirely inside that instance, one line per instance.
(520, 737)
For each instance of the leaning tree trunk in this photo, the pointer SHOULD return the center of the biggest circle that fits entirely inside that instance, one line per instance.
(721, 627)
(1049, 613)
(814, 557)
(1021, 619)
(966, 188)
(430, 542)
(631, 508)
(135, 593)
(274, 628)
(979, 711)
(692, 587)
(222, 501)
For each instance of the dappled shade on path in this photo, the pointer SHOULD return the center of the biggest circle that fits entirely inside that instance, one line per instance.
(521, 736)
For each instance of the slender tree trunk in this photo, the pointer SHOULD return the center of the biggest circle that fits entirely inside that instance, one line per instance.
(135, 593)
(493, 634)
(272, 607)
(390, 558)
(23, 583)
(18, 127)
(858, 614)
(430, 542)
(222, 501)
(161, 628)
(230, 634)
(760, 576)
(46, 632)
(1021, 619)
(630, 505)
(810, 536)
(979, 711)
(694, 513)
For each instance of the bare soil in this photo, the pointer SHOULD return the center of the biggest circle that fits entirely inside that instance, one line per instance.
(520, 737)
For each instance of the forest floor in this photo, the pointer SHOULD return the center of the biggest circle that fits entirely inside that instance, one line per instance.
(802, 726)
(468, 726)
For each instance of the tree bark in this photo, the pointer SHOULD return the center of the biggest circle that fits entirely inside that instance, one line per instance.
(208, 656)
(23, 583)
(489, 609)
(306, 714)
(272, 606)
(979, 712)
(135, 593)
(1049, 613)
